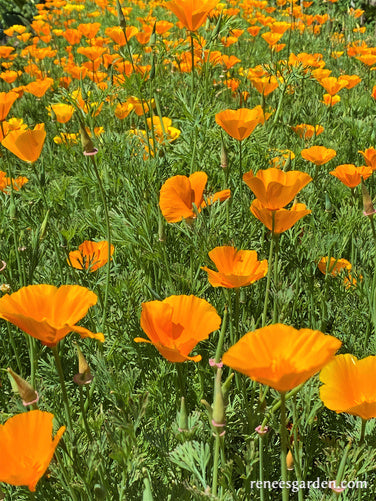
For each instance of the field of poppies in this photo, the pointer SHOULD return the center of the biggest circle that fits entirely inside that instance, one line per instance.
(188, 251)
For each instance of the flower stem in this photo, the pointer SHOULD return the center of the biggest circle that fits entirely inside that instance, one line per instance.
(283, 436)
(192, 68)
(268, 279)
(215, 464)
(59, 368)
(218, 352)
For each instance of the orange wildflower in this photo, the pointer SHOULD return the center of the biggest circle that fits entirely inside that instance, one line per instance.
(240, 123)
(265, 85)
(176, 324)
(5, 182)
(280, 356)
(307, 131)
(350, 175)
(122, 110)
(275, 188)
(370, 157)
(280, 220)
(39, 87)
(6, 101)
(319, 155)
(236, 268)
(27, 447)
(329, 100)
(49, 313)
(191, 13)
(352, 80)
(332, 85)
(26, 144)
(63, 112)
(90, 255)
(179, 195)
(350, 385)
(334, 267)
(89, 30)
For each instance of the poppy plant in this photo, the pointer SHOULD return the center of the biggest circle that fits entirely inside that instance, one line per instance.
(6, 101)
(27, 447)
(191, 13)
(319, 155)
(350, 385)
(280, 356)
(90, 255)
(236, 268)
(49, 313)
(280, 220)
(176, 324)
(306, 131)
(26, 144)
(369, 156)
(240, 123)
(180, 196)
(275, 188)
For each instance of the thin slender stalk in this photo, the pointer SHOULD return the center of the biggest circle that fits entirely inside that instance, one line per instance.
(215, 465)
(261, 467)
(83, 414)
(59, 368)
(192, 69)
(241, 173)
(218, 352)
(268, 279)
(65, 476)
(283, 436)
(362, 431)
(275, 302)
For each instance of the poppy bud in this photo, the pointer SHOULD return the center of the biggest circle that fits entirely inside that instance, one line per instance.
(99, 492)
(12, 210)
(368, 208)
(120, 15)
(289, 460)
(328, 203)
(84, 375)
(161, 231)
(147, 495)
(183, 417)
(26, 391)
(86, 142)
(153, 36)
(43, 226)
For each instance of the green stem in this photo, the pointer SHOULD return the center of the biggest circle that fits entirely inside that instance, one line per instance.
(65, 475)
(192, 69)
(59, 368)
(215, 464)
(277, 405)
(108, 238)
(275, 302)
(362, 431)
(261, 466)
(241, 173)
(218, 352)
(283, 436)
(268, 279)
(83, 414)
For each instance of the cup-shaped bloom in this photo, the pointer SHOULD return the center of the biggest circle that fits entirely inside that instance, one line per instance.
(319, 155)
(176, 324)
(350, 175)
(49, 313)
(179, 195)
(279, 220)
(27, 447)
(275, 188)
(26, 144)
(90, 255)
(350, 385)
(369, 156)
(63, 112)
(240, 123)
(6, 101)
(332, 85)
(236, 268)
(280, 356)
(334, 267)
(191, 13)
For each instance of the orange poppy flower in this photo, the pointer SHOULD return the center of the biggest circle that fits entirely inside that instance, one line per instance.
(335, 266)
(280, 220)
(240, 123)
(49, 313)
(191, 13)
(332, 85)
(236, 268)
(179, 193)
(90, 255)
(26, 144)
(265, 85)
(369, 156)
(350, 175)
(280, 356)
(72, 36)
(137, 105)
(6, 101)
(319, 155)
(176, 324)
(306, 131)
(89, 30)
(271, 38)
(350, 385)
(5, 182)
(39, 87)
(27, 447)
(275, 188)
(352, 80)
(63, 112)
(329, 100)
(122, 110)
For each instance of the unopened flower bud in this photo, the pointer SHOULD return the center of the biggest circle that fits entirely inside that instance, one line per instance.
(219, 417)
(368, 208)
(26, 391)
(224, 162)
(84, 375)
(120, 15)
(289, 460)
(86, 142)
(183, 416)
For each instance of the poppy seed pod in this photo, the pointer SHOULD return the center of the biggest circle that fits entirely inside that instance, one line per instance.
(218, 420)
